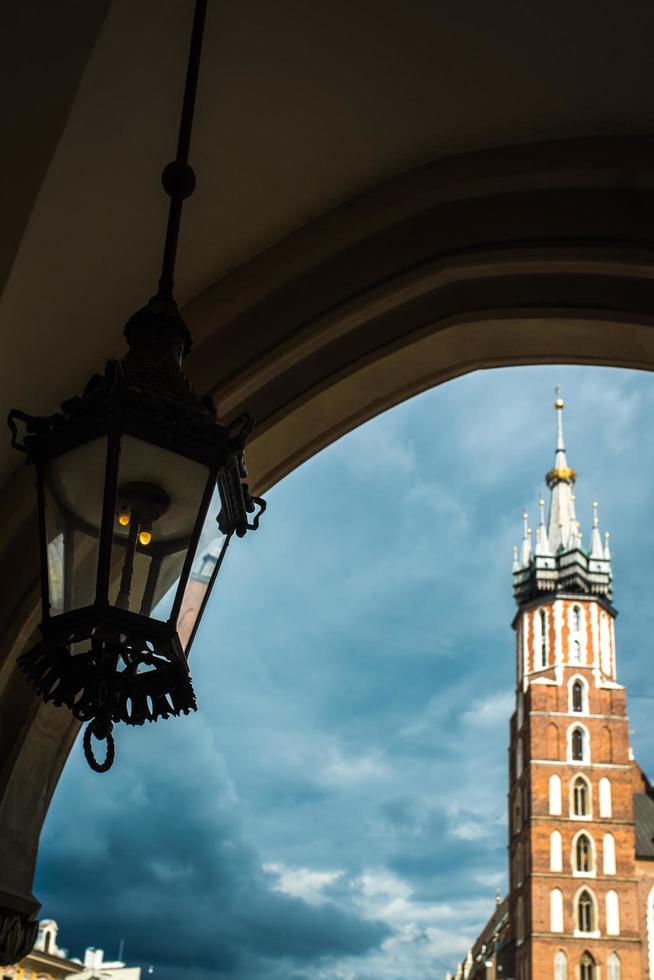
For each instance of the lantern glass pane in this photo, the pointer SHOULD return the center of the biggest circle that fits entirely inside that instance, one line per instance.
(73, 494)
(201, 577)
(158, 497)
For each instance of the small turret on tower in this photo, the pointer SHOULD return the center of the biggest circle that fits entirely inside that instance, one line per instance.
(559, 561)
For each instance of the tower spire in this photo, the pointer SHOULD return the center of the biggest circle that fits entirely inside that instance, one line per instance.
(562, 525)
(558, 561)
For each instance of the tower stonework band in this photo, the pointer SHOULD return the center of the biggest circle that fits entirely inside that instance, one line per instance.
(581, 811)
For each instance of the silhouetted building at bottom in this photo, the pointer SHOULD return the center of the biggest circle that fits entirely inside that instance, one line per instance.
(48, 962)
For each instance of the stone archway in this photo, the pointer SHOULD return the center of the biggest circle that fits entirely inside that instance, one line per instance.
(532, 254)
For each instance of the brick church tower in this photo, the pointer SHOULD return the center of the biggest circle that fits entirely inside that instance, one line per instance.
(581, 811)
(574, 893)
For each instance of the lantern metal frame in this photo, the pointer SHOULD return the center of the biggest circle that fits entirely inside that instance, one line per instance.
(108, 663)
(158, 406)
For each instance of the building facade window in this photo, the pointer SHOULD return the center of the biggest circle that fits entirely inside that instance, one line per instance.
(543, 638)
(556, 910)
(583, 855)
(520, 920)
(578, 744)
(605, 802)
(612, 913)
(613, 970)
(576, 619)
(578, 696)
(587, 968)
(585, 912)
(556, 851)
(560, 965)
(580, 797)
(518, 759)
(555, 796)
(608, 854)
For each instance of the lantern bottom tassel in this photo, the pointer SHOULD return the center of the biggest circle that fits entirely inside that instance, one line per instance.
(109, 682)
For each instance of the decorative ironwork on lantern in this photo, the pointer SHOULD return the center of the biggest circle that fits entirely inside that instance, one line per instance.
(137, 482)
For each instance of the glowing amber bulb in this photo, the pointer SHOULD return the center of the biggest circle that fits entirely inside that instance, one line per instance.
(145, 537)
(124, 518)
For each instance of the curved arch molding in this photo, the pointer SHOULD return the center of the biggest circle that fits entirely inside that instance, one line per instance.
(531, 254)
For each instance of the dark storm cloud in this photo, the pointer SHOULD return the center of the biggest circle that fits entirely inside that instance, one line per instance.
(338, 807)
(163, 866)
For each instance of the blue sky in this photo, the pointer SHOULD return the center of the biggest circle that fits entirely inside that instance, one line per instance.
(336, 810)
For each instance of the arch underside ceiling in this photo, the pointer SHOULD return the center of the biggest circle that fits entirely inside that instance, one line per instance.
(538, 252)
(541, 270)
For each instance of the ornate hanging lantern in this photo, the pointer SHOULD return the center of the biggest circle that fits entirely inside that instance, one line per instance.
(140, 490)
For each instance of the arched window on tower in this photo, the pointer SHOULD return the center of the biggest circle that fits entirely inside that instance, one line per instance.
(580, 798)
(560, 965)
(556, 910)
(578, 745)
(585, 912)
(613, 967)
(608, 854)
(556, 851)
(575, 635)
(543, 638)
(587, 968)
(612, 913)
(583, 854)
(555, 796)
(577, 696)
(605, 802)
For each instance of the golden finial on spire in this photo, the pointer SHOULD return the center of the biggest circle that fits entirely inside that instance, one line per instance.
(559, 403)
